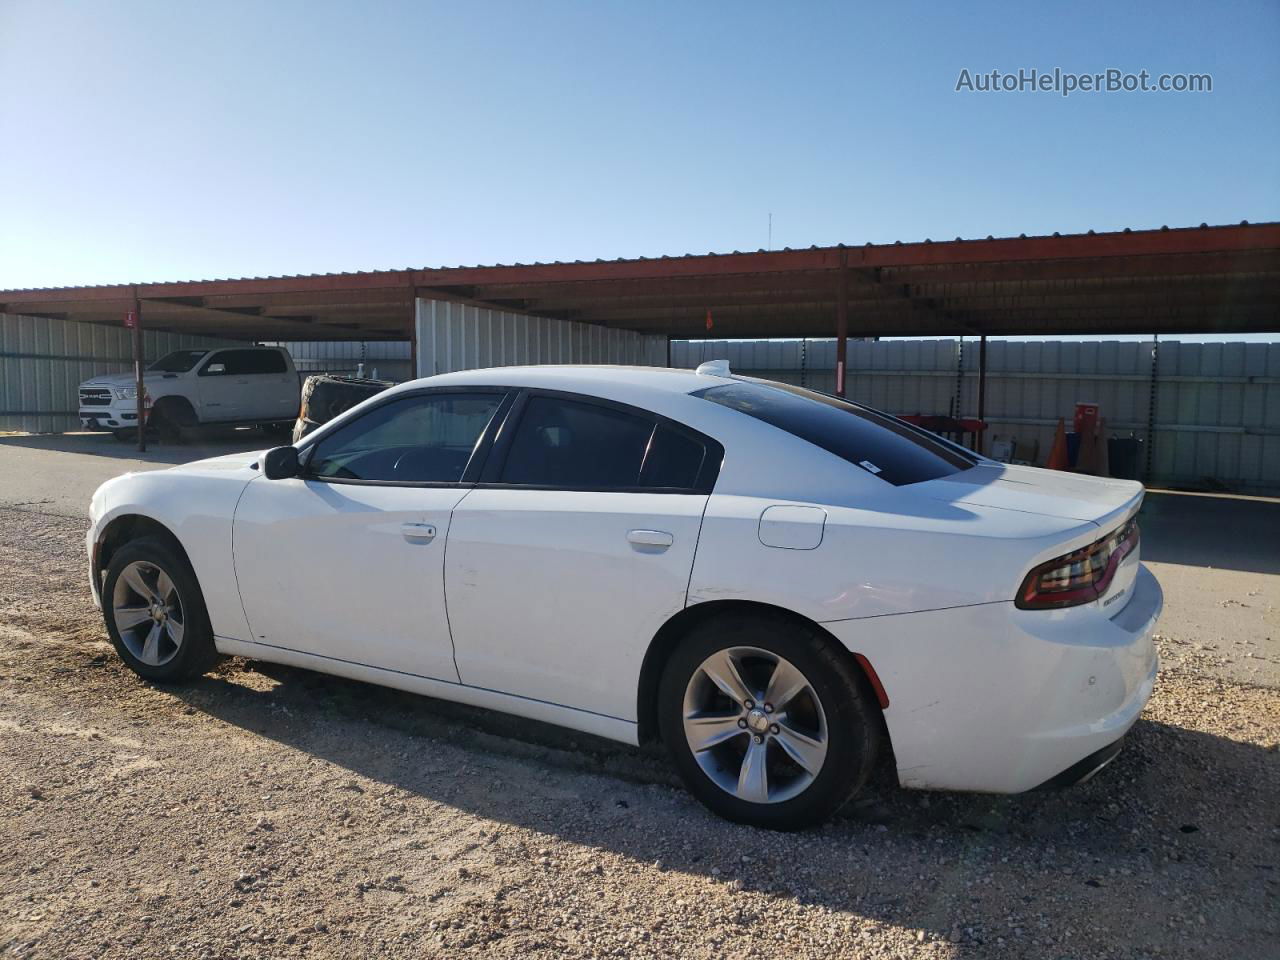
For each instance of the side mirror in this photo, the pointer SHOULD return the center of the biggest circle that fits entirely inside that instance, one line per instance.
(215, 369)
(281, 463)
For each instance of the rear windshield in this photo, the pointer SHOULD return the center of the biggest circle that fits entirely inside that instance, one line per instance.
(180, 361)
(880, 444)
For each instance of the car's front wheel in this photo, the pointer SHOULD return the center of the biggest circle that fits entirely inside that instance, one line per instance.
(767, 721)
(155, 612)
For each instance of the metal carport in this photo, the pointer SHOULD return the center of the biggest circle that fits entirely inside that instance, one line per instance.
(1220, 279)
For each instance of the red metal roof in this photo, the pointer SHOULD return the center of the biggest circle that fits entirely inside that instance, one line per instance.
(1188, 280)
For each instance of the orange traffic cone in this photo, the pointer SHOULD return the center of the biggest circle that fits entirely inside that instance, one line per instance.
(1058, 454)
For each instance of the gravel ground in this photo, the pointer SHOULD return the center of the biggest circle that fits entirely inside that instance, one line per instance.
(271, 812)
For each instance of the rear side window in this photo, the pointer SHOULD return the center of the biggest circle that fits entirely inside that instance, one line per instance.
(875, 442)
(674, 459)
(242, 363)
(262, 361)
(569, 444)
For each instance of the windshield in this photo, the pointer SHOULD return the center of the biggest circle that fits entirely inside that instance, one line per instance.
(880, 444)
(180, 361)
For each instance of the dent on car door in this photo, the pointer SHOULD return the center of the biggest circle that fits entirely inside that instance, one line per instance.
(347, 560)
(563, 565)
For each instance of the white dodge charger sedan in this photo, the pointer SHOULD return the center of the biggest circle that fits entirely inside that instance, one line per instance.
(774, 583)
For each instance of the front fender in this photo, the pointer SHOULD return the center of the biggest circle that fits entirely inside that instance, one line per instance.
(198, 510)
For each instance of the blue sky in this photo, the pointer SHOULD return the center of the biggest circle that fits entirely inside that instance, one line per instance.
(157, 141)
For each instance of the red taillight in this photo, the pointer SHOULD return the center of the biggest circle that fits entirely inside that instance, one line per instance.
(1079, 577)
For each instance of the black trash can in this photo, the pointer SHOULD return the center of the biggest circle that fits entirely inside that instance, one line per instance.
(1125, 456)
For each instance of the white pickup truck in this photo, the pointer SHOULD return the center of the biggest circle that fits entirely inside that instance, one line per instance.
(187, 388)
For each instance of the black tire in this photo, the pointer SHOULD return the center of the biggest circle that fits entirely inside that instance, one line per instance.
(277, 430)
(853, 722)
(195, 653)
(301, 427)
(325, 397)
(125, 435)
(171, 417)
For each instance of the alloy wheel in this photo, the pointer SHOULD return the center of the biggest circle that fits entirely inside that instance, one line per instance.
(755, 725)
(148, 613)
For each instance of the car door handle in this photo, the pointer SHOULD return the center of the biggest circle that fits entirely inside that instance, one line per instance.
(425, 532)
(650, 538)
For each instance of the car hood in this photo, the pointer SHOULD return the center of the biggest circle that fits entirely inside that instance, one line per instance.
(230, 461)
(1051, 493)
(125, 379)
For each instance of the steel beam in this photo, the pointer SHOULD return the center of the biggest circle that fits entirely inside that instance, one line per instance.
(140, 387)
(842, 325)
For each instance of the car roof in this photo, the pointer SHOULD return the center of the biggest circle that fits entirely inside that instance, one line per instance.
(579, 378)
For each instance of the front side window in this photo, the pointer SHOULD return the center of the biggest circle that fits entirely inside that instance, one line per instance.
(875, 442)
(570, 444)
(180, 361)
(427, 438)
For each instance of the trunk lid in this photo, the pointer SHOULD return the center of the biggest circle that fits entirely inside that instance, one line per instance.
(1102, 501)
(1051, 493)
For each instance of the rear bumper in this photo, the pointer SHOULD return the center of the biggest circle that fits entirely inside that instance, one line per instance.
(994, 699)
(1083, 770)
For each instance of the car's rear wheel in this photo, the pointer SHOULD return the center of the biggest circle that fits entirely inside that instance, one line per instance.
(767, 721)
(155, 612)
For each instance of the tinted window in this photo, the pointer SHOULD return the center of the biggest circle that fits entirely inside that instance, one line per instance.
(243, 363)
(562, 443)
(180, 361)
(420, 439)
(261, 361)
(674, 459)
(880, 444)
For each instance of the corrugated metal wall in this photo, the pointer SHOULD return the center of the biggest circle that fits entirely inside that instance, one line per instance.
(388, 359)
(43, 361)
(457, 336)
(1216, 408)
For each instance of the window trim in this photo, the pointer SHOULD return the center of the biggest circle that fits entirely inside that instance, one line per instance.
(470, 473)
(496, 462)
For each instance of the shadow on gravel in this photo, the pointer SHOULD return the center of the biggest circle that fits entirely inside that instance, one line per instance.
(1172, 821)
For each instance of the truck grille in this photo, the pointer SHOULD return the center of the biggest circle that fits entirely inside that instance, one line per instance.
(95, 398)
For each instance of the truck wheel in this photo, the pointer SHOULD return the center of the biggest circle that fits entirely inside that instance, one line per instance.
(127, 435)
(170, 416)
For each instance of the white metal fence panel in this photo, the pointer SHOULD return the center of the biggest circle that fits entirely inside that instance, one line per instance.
(43, 361)
(1208, 413)
(388, 359)
(458, 336)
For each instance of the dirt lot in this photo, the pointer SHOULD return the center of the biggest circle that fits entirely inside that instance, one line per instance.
(270, 812)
